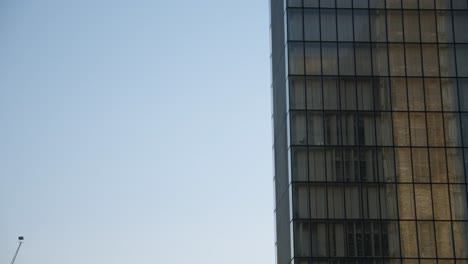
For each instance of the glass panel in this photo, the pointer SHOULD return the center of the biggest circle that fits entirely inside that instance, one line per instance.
(337, 240)
(465, 151)
(430, 62)
(455, 165)
(400, 129)
(463, 91)
(296, 58)
(294, 3)
(422, 193)
(460, 22)
(316, 161)
(384, 129)
(368, 165)
(426, 240)
(311, 3)
(428, 26)
(302, 238)
(444, 26)
(345, 25)
(447, 60)
(386, 165)
(332, 129)
(355, 239)
(315, 128)
(346, 58)
(444, 239)
(335, 201)
(377, 4)
(449, 95)
(394, 25)
(406, 201)
(406, 261)
(403, 164)
(353, 202)
(327, 3)
(435, 129)
(441, 201)
(433, 97)
(420, 165)
(411, 23)
(378, 25)
(415, 94)
(295, 24)
(399, 100)
(390, 233)
(328, 24)
(301, 201)
(330, 91)
(319, 234)
(438, 165)
(418, 129)
(459, 4)
(311, 20)
(363, 59)
(344, 3)
(409, 243)
(360, 3)
(352, 166)
(366, 129)
(428, 261)
(361, 24)
(452, 130)
(388, 202)
(348, 129)
(393, 3)
(318, 208)
(462, 62)
(381, 94)
(312, 58)
(426, 4)
(299, 164)
(413, 58)
(334, 166)
(458, 202)
(348, 94)
(314, 93)
(445, 261)
(379, 59)
(365, 94)
(442, 4)
(296, 93)
(397, 59)
(460, 229)
(329, 59)
(371, 202)
(298, 128)
(410, 4)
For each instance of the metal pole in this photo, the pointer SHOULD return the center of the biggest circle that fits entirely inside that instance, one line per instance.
(17, 250)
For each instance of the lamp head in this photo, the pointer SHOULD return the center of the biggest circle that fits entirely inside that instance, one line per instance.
(21, 238)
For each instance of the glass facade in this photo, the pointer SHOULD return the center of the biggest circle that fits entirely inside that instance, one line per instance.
(370, 114)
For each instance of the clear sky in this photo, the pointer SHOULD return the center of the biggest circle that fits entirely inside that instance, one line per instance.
(135, 131)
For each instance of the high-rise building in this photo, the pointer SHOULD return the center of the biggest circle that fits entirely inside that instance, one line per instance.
(370, 120)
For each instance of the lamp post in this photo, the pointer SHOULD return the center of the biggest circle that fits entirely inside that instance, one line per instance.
(21, 241)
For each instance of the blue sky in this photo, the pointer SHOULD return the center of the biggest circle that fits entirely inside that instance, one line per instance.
(135, 132)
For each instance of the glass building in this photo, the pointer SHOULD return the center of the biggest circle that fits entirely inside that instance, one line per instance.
(370, 120)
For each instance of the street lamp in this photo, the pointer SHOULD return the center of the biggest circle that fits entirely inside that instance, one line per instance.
(21, 241)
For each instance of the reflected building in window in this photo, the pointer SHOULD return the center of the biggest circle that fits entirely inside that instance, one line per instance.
(370, 120)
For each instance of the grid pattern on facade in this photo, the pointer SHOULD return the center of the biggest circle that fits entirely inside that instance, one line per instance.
(378, 123)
